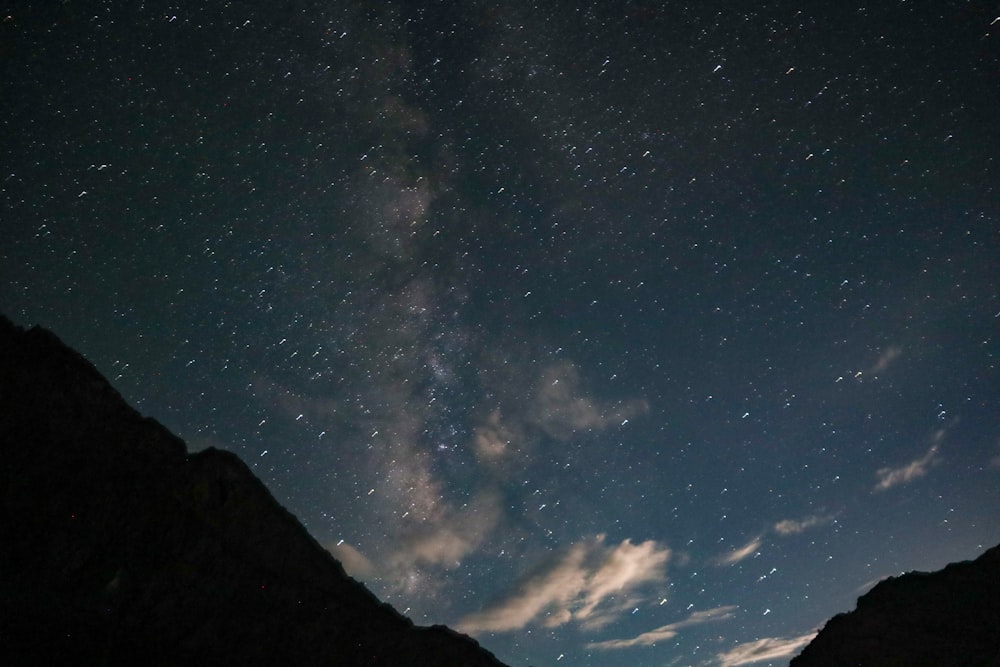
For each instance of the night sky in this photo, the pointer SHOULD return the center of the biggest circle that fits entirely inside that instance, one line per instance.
(623, 333)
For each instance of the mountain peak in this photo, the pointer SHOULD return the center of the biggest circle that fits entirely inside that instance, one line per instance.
(947, 618)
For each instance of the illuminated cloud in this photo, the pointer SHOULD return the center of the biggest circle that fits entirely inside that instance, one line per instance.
(770, 648)
(578, 586)
(666, 632)
(747, 550)
(793, 527)
(625, 567)
(890, 477)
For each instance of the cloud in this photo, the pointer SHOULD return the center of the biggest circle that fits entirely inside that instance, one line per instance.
(890, 477)
(389, 210)
(493, 440)
(995, 461)
(418, 529)
(443, 545)
(556, 406)
(553, 590)
(785, 527)
(625, 566)
(561, 409)
(420, 553)
(770, 648)
(451, 537)
(666, 632)
(588, 583)
(747, 550)
(354, 562)
(889, 355)
(793, 527)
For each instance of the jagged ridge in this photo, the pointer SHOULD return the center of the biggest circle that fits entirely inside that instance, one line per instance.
(117, 547)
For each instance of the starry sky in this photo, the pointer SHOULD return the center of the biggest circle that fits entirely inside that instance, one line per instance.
(617, 333)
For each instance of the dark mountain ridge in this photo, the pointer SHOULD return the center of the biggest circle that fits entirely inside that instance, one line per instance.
(947, 618)
(118, 547)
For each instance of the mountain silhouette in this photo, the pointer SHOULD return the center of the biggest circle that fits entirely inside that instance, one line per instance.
(118, 547)
(948, 618)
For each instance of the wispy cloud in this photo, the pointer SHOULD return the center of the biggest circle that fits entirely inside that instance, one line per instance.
(666, 632)
(890, 477)
(736, 555)
(585, 583)
(561, 408)
(556, 405)
(770, 648)
(794, 527)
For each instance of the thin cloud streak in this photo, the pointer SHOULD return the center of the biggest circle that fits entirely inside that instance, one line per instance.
(770, 648)
(747, 550)
(666, 632)
(793, 527)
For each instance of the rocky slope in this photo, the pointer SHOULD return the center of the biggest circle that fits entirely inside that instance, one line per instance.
(948, 618)
(117, 547)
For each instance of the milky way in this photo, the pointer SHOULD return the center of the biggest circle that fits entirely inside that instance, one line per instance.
(624, 333)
